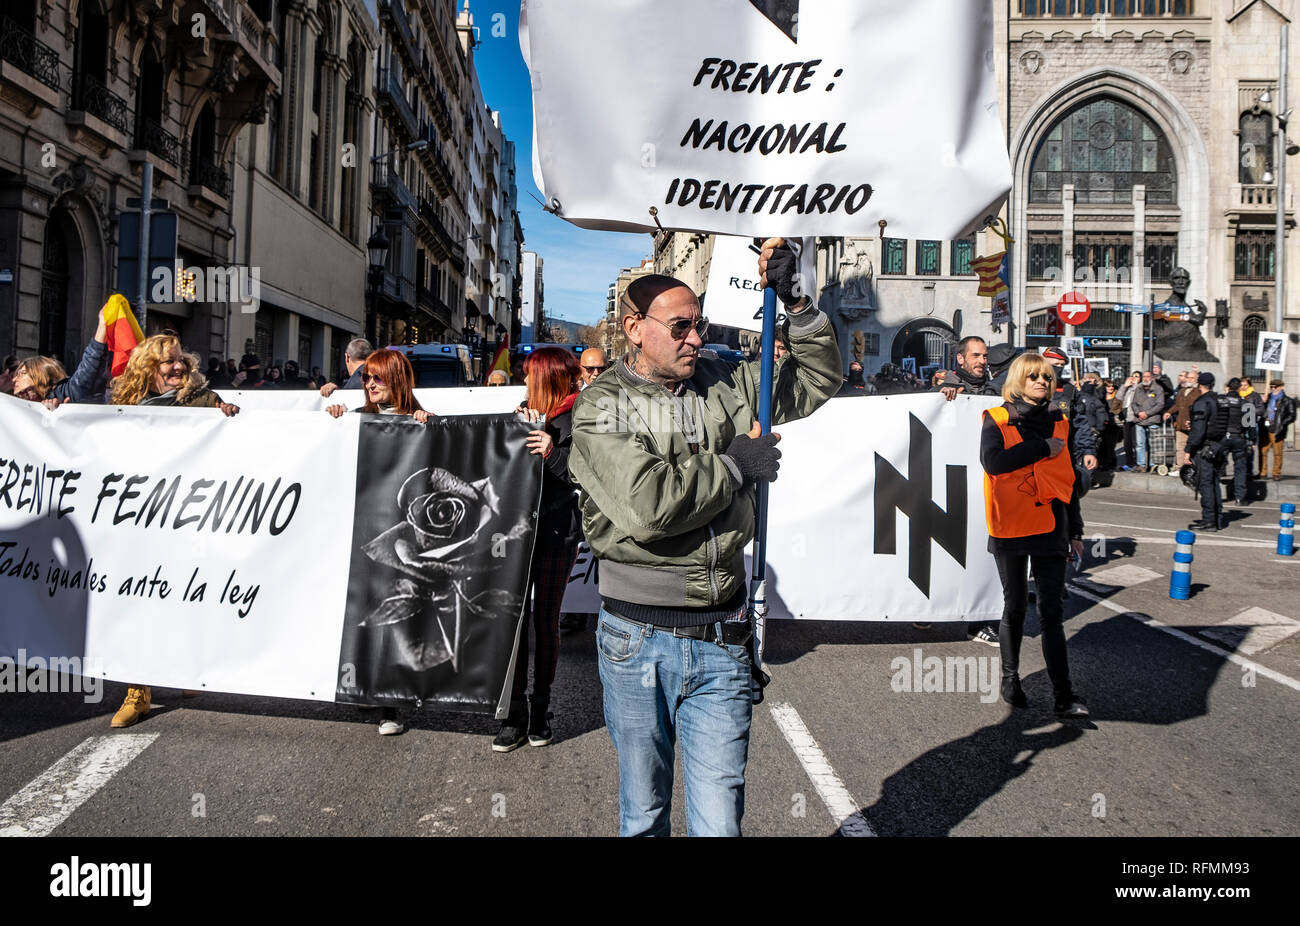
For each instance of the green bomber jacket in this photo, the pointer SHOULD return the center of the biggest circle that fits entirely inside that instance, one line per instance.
(669, 521)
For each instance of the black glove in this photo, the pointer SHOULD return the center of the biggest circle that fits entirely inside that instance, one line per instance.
(782, 268)
(755, 457)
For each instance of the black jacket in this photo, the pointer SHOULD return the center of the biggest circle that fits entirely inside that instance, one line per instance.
(970, 385)
(1035, 424)
(558, 517)
(1071, 403)
(1206, 428)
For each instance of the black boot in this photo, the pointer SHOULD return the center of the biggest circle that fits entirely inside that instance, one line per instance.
(1070, 706)
(539, 722)
(1012, 693)
(512, 735)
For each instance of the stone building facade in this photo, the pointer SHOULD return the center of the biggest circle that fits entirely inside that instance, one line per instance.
(300, 197)
(89, 92)
(1141, 139)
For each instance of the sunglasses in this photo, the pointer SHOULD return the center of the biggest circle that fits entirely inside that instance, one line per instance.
(600, 369)
(372, 378)
(1046, 377)
(678, 329)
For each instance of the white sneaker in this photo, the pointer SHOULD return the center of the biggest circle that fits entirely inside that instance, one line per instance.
(391, 727)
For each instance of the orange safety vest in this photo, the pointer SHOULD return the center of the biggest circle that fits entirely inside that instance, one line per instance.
(1019, 503)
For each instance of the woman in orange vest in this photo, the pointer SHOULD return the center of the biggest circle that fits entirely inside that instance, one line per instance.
(1033, 520)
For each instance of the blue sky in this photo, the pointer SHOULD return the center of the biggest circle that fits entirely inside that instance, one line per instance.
(578, 265)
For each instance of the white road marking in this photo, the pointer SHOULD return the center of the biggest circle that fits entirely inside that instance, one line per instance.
(1200, 537)
(839, 802)
(1125, 576)
(1253, 630)
(1257, 507)
(1265, 671)
(52, 796)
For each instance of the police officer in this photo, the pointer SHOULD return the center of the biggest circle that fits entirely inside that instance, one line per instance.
(1071, 403)
(1242, 435)
(1210, 420)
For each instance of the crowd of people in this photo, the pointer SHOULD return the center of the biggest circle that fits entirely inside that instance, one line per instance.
(670, 519)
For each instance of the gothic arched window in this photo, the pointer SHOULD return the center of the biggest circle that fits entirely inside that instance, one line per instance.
(1105, 148)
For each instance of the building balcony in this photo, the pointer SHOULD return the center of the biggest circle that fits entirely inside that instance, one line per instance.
(444, 245)
(152, 138)
(100, 111)
(392, 96)
(239, 25)
(207, 180)
(395, 12)
(28, 63)
(446, 50)
(429, 302)
(388, 182)
(1257, 197)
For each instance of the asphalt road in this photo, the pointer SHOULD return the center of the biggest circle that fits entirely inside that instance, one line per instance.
(1193, 730)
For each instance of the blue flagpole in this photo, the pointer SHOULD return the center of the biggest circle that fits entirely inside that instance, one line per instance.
(758, 579)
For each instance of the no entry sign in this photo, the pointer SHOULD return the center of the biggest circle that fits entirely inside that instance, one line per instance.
(1074, 308)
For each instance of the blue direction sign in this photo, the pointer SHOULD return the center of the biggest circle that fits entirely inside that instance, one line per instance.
(1137, 308)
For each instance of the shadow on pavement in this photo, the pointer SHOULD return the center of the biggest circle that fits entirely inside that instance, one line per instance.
(1125, 673)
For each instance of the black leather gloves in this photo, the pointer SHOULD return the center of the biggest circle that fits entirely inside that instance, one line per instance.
(756, 457)
(782, 276)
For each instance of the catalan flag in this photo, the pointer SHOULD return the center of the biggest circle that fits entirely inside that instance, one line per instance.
(992, 272)
(123, 331)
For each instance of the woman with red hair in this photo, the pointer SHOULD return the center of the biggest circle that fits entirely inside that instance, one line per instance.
(389, 382)
(551, 377)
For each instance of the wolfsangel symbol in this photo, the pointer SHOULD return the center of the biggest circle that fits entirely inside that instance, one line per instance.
(784, 14)
(914, 497)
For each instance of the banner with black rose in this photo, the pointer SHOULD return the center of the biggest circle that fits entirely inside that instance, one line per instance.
(365, 559)
(442, 538)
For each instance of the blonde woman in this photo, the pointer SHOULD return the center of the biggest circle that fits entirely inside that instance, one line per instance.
(160, 373)
(1033, 520)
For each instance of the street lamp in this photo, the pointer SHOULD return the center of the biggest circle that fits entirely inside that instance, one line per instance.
(377, 247)
(1283, 149)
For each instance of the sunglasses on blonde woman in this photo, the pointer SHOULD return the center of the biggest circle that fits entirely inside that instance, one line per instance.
(1046, 377)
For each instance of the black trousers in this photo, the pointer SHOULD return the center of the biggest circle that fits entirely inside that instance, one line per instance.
(1130, 444)
(1207, 483)
(1243, 454)
(1049, 577)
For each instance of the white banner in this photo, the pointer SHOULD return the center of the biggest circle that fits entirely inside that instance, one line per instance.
(734, 295)
(728, 118)
(128, 572)
(364, 559)
(902, 535)
(474, 400)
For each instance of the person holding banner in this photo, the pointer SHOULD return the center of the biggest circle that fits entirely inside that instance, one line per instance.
(389, 381)
(159, 373)
(43, 379)
(666, 450)
(551, 377)
(1033, 520)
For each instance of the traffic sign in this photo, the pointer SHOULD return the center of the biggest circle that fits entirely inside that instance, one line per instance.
(1074, 308)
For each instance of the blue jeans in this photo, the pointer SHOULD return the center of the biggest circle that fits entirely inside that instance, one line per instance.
(659, 687)
(1140, 440)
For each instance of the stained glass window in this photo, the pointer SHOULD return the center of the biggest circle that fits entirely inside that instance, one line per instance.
(1105, 148)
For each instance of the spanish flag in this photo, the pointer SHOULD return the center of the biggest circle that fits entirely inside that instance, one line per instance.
(502, 359)
(123, 331)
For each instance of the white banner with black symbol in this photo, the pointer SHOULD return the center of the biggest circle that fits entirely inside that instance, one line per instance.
(763, 117)
(877, 515)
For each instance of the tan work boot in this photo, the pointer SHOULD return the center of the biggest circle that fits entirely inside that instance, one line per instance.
(133, 708)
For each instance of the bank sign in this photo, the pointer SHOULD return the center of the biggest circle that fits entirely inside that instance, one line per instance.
(1115, 343)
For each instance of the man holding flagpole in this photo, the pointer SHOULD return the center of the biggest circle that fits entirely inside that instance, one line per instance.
(667, 454)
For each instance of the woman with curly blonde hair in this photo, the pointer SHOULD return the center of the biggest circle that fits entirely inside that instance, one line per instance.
(160, 373)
